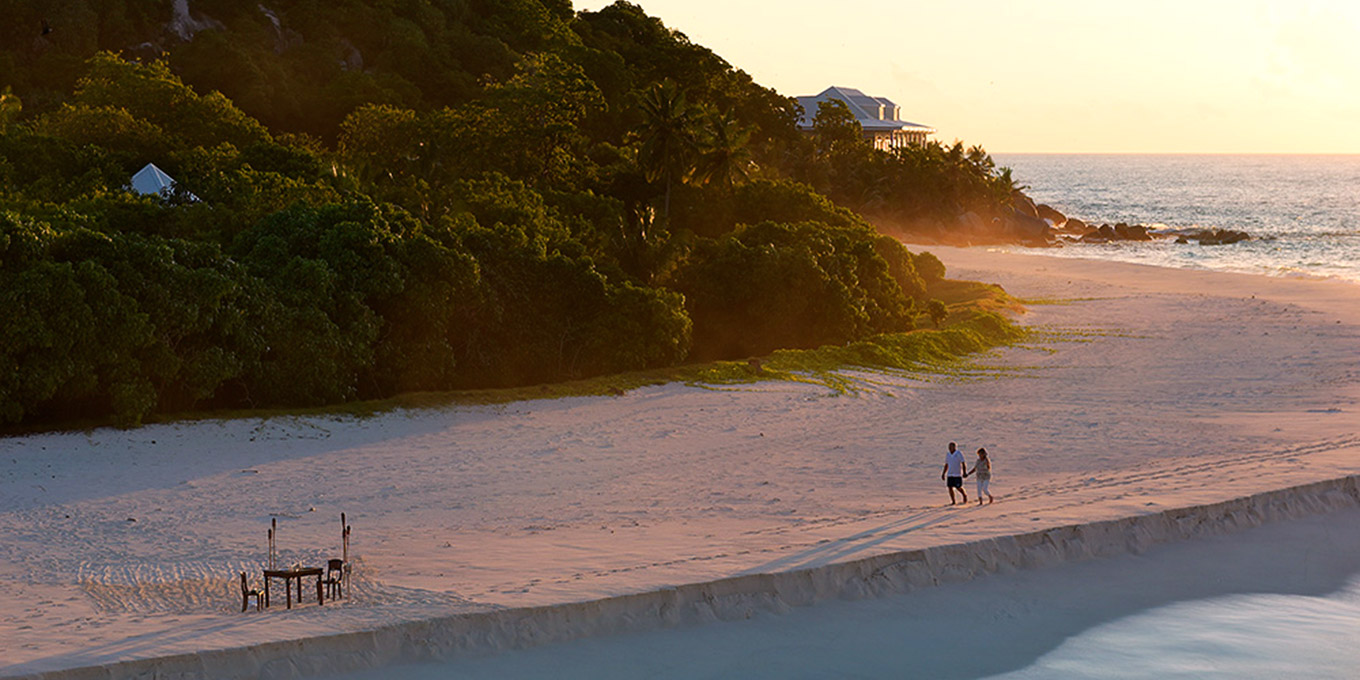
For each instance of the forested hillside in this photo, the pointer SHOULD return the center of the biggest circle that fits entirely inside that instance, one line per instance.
(376, 198)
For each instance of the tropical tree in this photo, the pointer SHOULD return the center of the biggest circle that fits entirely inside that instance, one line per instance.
(835, 129)
(667, 137)
(724, 157)
(153, 93)
(773, 285)
(380, 143)
(539, 111)
(937, 311)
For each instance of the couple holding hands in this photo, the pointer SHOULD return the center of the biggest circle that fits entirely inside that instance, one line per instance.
(956, 468)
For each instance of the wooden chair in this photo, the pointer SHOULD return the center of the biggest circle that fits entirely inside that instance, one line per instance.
(335, 572)
(247, 592)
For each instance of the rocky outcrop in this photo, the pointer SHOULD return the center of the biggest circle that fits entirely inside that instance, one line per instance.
(1029, 230)
(1077, 231)
(1106, 233)
(1135, 232)
(284, 38)
(184, 24)
(971, 224)
(1024, 205)
(1102, 234)
(1010, 225)
(1024, 222)
(1054, 217)
(1213, 237)
(354, 60)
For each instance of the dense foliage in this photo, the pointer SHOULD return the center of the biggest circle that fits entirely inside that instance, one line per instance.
(376, 198)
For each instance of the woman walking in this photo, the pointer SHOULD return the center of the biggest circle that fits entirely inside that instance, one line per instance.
(983, 469)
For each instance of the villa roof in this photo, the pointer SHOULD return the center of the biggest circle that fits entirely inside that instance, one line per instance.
(873, 113)
(152, 180)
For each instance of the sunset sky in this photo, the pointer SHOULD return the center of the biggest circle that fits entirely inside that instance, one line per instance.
(1063, 75)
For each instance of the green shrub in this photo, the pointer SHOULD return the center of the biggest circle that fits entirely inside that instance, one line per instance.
(789, 285)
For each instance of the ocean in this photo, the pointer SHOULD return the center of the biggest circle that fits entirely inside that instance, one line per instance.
(1256, 636)
(1303, 212)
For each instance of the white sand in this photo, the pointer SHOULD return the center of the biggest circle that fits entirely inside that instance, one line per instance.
(1158, 388)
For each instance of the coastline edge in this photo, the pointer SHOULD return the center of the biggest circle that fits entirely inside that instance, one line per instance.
(731, 598)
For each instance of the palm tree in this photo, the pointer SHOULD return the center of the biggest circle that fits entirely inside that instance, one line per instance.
(724, 158)
(667, 136)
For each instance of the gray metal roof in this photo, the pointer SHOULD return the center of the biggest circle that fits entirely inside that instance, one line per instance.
(152, 180)
(873, 113)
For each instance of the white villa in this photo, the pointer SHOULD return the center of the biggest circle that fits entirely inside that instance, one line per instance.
(880, 118)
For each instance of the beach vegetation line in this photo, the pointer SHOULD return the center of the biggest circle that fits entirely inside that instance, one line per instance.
(976, 325)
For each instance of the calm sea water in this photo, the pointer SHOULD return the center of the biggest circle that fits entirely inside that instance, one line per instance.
(1240, 637)
(1305, 210)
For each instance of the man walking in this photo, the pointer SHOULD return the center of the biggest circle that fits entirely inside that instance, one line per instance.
(952, 474)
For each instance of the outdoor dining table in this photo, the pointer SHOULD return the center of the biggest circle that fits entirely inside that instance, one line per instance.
(290, 575)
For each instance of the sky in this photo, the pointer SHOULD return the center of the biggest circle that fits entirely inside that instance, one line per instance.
(1063, 76)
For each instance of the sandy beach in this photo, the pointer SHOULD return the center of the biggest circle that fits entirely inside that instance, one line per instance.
(1142, 389)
